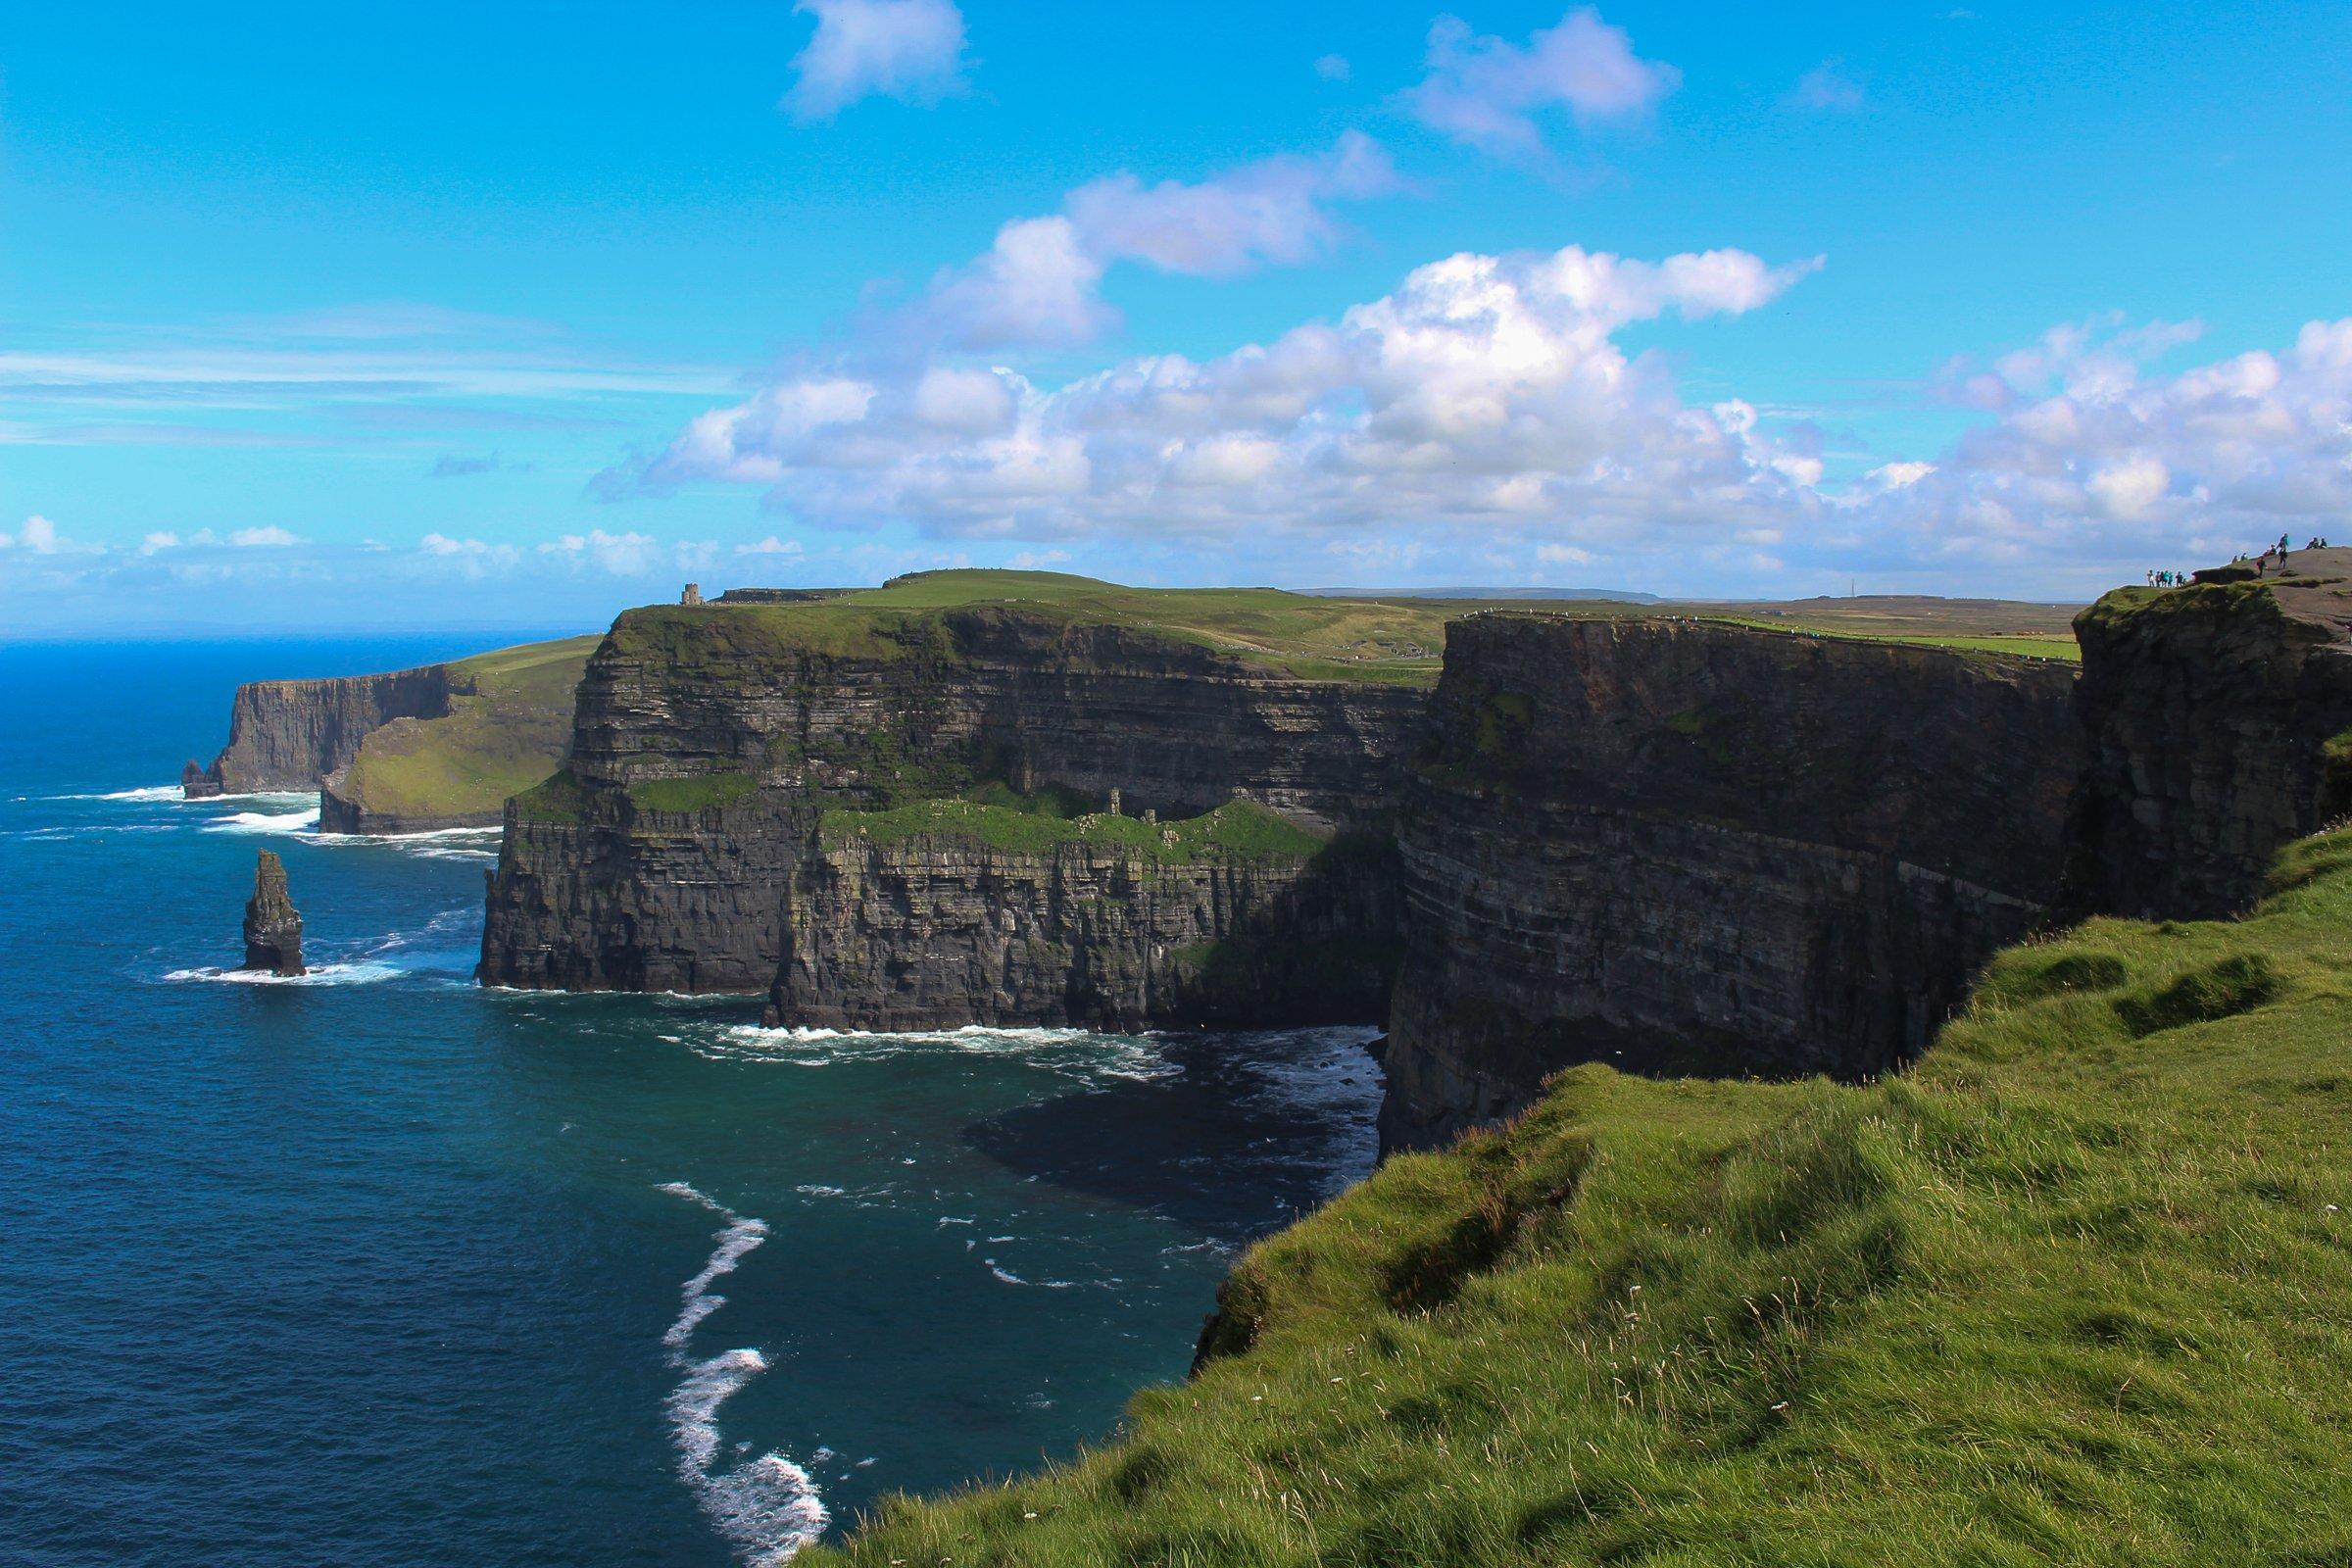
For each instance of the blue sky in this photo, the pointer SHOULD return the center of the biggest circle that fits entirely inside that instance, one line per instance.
(521, 312)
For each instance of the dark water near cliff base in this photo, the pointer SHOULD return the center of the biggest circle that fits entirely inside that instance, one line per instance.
(378, 1268)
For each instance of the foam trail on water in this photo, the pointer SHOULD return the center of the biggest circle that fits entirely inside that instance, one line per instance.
(265, 823)
(769, 1507)
(151, 792)
(325, 975)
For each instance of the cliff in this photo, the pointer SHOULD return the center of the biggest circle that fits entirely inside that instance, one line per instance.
(2219, 719)
(507, 725)
(289, 734)
(1683, 846)
(949, 913)
(434, 747)
(709, 742)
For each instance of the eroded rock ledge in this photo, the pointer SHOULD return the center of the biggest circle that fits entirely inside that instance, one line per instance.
(953, 914)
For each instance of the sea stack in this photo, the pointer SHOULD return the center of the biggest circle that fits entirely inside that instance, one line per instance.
(196, 784)
(272, 926)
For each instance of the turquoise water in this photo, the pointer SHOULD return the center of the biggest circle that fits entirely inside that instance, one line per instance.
(383, 1269)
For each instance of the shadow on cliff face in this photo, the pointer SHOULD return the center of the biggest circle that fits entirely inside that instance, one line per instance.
(1248, 1132)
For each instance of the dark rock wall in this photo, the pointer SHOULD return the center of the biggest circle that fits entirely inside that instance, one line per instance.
(1675, 845)
(600, 886)
(939, 931)
(2210, 710)
(289, 734)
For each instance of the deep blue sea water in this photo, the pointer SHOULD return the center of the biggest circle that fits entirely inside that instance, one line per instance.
(381, 1268)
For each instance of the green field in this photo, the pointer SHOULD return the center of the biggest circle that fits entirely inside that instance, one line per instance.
(1399, 639)
(1236, 830)
(2076, 1287)
(509, 728)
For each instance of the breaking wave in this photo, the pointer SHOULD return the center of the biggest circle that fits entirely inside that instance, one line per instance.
(434, 844)
(767, 1507)
(265, 823)
(325, 975)
(1073, 1053)
(150, 792)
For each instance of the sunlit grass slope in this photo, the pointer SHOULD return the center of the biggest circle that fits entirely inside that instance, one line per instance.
(1399, 639)
(2075, 1289)
(509, 728)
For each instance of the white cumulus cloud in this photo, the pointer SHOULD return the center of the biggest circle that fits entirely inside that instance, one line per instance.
(910, 50)
(1486, 91)
(268, 538)
(37, 535)
(1039, 285)
(620, 555)
(2090, 455)
(1486, 391)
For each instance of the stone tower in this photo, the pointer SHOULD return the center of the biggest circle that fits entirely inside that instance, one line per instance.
(693, 594)
(272, 926)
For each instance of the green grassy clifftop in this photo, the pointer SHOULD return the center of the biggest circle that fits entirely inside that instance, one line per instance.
(509, 727)
(1399, 639)
(2076, 1287)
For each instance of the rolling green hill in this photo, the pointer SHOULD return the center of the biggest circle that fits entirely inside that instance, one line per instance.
(509, 727)
(1400, 639)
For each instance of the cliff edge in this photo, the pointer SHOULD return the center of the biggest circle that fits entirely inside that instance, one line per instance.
(1678, 846)
(2219, 724)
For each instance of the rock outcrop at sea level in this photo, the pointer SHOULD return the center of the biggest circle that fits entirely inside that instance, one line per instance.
(272, 926)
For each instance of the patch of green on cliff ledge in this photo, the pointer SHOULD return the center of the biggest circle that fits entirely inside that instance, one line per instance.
(2076, 1287)
(509, 727)
(694, 793)
(1237, 830)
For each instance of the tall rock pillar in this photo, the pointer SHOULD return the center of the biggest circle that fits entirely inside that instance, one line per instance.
(272, 926)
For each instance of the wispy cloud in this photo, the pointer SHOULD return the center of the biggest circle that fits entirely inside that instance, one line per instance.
(1488, 92)
(1828, 89)
(910, 50)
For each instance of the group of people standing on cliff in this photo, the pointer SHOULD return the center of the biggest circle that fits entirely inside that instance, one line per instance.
(2260, 562)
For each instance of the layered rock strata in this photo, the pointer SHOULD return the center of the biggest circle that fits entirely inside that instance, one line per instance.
(1692, 846)
(2219, 724)
(940, 927)
(289, 734)
(709, 742)
(272, 926)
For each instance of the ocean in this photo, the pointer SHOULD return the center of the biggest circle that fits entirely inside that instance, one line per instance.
(377, 1267)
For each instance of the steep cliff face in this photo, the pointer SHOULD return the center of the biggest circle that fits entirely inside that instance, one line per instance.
(289, 734)
(893, 929)
(436, 747)
(708, 740)
(1673, 843)
(2211, 711)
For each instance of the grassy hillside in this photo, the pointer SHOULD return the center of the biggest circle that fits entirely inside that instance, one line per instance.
(2075, 1289)
(1236, 830)
(510, 726)
(1399, 639)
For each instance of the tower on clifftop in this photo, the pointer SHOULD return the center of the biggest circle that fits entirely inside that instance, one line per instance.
(693, 594)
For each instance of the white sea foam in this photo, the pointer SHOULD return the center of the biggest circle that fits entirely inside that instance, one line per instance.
(265, 821)
(150, 792)
(174, 794)
(738, 1240)
(1079, 1053)
(326, 974)
(478, 844)
(1010, 1278)
(767, 1507)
